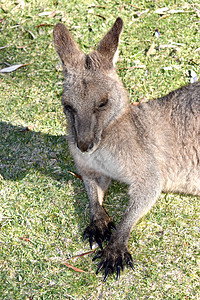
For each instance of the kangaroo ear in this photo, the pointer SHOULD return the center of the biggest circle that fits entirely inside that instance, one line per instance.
(109, 44)
(65, 46)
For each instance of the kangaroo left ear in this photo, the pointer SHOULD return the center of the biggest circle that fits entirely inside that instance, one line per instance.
(66, 47)
(109, 44)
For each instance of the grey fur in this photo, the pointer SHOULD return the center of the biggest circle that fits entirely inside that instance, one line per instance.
(152, 147)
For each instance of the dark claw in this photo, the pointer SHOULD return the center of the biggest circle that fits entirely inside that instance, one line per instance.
(129, 260)
(108, 236)
(113, 259)
(119, 263)
(106, 275)
(122, 266)
(99, 268)
(99, 243)
(118, 272)
(90, 241)
(85, 235)
(98, 255)
(128, 257)
(131, 265)
(98, 231)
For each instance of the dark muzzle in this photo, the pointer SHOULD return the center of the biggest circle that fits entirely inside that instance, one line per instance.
(85, 146)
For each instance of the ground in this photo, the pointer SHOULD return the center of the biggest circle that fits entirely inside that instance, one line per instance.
(44, 206)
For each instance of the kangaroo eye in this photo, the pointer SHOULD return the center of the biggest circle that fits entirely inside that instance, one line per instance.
(103, 103)
(68, 107)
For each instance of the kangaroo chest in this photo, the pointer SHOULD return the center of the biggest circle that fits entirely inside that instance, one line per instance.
(100, 161)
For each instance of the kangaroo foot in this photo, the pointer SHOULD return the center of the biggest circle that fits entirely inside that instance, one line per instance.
(112, 260)
(98, 231)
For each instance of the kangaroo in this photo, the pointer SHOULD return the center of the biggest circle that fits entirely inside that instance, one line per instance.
(152, 147)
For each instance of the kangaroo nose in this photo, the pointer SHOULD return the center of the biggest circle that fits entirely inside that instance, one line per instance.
(85, 146)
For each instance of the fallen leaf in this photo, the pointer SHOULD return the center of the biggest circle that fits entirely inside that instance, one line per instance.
(151, 50)
(12, 68)
(72, 267)
(44, 13)
(162, 10)
(170, 68)
(47, 13)
(52, 15)
(143, 12)
(178, 44)
(176, 11)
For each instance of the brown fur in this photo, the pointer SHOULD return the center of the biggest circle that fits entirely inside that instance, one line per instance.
(153, 147)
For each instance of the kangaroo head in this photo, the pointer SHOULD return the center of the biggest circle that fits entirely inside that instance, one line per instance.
(93, 96)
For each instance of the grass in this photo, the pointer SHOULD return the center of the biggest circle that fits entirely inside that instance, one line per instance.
(44, 208)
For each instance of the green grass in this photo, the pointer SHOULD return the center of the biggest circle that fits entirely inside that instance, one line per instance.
(44, 208)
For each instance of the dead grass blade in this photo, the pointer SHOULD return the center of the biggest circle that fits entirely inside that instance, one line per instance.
(82, 254)
(73, 268)
(76, 175)
(26, 240)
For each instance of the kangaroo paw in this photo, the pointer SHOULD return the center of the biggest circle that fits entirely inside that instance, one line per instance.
(112, 260)
(98, 231)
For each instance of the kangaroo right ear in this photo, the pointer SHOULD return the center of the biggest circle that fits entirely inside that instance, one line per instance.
(109, 44)
(65, 46)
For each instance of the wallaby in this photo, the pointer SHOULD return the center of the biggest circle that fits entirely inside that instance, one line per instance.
(152, 147)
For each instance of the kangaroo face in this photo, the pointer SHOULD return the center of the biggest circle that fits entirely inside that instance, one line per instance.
(93, 94)
(90, 104)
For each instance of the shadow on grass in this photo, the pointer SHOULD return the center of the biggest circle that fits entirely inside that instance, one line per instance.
(22, 151)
